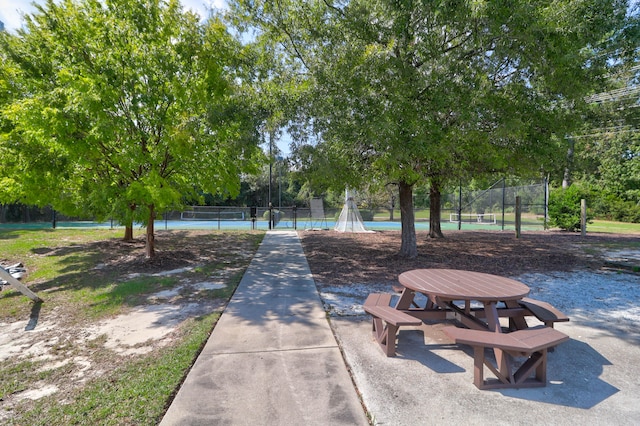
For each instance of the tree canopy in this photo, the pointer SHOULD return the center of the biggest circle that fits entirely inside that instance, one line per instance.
(124, 108)
(413, 91)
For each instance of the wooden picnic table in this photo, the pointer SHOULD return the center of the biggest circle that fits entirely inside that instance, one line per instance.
(452, 293)
(444, 287)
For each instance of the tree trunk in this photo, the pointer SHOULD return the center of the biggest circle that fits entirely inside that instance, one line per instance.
(434, 209)
(566, 178)
(150, 245)
(128, 227)
(409, 246)
(128, 232)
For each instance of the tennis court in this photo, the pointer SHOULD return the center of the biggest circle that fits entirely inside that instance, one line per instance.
(300, 224)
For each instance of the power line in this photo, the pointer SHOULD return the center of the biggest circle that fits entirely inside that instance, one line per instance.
(613, 95)
(606, 133)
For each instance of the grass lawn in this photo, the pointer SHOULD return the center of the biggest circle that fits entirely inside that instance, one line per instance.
(605, 226)
(613, 227)
(55, 368)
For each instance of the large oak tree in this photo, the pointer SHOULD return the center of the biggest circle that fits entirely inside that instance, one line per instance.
(124, 108)
(420, 90)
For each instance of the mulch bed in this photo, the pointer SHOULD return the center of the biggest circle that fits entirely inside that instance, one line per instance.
(346, 258)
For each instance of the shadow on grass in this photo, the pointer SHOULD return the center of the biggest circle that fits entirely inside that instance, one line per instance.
(34, 317)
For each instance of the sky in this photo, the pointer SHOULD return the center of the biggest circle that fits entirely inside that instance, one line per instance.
(11, 11)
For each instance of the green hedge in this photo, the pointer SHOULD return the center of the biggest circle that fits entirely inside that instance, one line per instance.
(564, 207)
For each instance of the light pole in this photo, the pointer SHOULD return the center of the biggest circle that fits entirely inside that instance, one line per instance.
(279, 159)
(270, 171)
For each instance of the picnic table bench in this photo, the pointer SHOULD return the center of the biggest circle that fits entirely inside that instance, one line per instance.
(544, 311)
(531, 342)
(386, 320)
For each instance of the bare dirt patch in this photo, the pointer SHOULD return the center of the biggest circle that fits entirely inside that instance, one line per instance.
(344, 258)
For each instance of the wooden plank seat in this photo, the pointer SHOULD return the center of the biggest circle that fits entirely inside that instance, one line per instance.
(386, 320)
(532, 343)
(544, 311)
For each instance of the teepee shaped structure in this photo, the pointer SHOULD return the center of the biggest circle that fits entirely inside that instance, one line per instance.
(350, 219)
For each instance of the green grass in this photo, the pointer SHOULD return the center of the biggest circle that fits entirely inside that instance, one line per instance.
(134, 390)
(109, 299)
(13, 377)
(613, 227)
(49, 253)
(596, 225)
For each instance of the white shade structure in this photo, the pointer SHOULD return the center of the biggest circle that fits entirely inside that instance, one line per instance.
(350, 219)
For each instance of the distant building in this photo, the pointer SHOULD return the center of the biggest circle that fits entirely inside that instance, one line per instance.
(1, 26)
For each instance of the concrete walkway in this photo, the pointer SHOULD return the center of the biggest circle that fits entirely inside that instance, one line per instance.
(272, 358)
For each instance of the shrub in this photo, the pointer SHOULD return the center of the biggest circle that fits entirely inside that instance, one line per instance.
(564, 207)
(367, 215)
(625, 211)
(605, 205)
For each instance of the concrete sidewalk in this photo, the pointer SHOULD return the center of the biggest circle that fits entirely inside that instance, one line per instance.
(272, 358)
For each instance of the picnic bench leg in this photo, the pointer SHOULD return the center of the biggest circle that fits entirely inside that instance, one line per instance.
(385, 335)
(541, 369)
(390, 340)
(479, 362)
(478, 366)
(536, 363)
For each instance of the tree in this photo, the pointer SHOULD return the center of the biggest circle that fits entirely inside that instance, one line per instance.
(128, 108)
(413, 91)
(607, 147)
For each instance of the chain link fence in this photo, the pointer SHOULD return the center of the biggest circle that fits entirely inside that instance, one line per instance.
(496, 206)
(492, 208)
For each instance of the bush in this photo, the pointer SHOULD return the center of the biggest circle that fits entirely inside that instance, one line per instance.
(564, 207)
(367, 215)
(605, 205)
(625, 211)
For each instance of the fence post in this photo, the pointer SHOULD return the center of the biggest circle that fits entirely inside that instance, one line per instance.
(253, 212)
(546, 202)
(518, 216)
(459, 207)
(504, 189)
(583, 217)
(295, 217)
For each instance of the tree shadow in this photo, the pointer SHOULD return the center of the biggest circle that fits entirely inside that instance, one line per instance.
(411, 346)
(573, 378)
(34, 316)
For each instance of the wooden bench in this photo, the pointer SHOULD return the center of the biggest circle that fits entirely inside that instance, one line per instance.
(544, 311)
(531, 342)
(386, 321)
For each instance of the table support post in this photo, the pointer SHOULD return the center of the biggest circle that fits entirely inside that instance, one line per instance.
(405, 299)
(503, 360)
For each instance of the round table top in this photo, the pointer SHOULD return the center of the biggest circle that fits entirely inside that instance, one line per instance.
(452, 284)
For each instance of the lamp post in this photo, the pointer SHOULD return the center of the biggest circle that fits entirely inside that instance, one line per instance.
(270, 171)
(279, 158)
